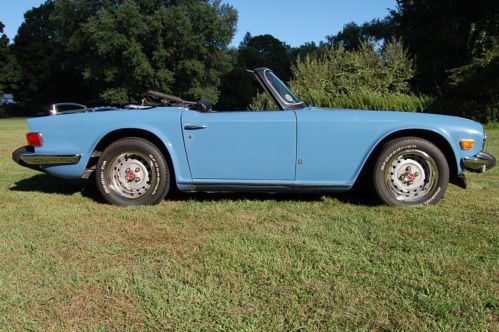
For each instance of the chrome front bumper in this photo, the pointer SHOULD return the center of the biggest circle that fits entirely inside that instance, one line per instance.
(26, 156)
(480, 163)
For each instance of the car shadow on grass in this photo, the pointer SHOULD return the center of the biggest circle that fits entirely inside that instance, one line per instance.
(47, 184)
(356, 198)
(44, 183)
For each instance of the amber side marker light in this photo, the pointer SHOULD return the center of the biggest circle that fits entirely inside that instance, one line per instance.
(467, 144)
(34, 139)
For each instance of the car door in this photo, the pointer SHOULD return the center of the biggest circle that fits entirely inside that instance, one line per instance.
(240, 145)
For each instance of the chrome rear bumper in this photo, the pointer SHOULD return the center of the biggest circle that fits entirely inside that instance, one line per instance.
(480, 163)
(26, 156)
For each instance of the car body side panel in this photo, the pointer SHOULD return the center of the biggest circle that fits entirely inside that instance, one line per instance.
(241, 145)
(80, 133)
(333, 145)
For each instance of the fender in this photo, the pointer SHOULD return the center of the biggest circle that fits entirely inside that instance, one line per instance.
(178, 158)
(344, 140)
(412, 131)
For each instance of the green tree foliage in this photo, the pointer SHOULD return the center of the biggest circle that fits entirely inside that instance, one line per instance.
(472, 90)
(455, 46)
(127, 46)
(442, 35)
(266, 51)
(352, 36)
(239, 87)
(45, 70)
(84, 50)
(9, 70)
(4, 45)
(302, 51)
(4, 48)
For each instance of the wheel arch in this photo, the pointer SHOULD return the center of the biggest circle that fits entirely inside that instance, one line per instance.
(434, 137)
(117, 134)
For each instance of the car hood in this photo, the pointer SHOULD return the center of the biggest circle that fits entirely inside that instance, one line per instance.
(409, 117)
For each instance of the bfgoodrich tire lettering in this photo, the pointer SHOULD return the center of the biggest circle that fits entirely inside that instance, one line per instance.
(132, 171)
(410, 171)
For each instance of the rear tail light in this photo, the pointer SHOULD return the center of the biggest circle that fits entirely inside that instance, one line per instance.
(34, 139)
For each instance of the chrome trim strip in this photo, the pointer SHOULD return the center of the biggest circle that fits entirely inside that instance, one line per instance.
(479, 163)
(54, 109)
(46, 160)
(266, 184)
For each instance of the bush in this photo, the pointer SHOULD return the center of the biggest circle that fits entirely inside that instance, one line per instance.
(262, 102)
(372, 100)
(358, 79)
(337, 70)
(363, 99)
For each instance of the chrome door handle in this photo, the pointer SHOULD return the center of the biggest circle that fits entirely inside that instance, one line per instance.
(194, 127)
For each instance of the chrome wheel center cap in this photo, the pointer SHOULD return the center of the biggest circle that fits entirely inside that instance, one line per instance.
(409, 174)
(131, 176)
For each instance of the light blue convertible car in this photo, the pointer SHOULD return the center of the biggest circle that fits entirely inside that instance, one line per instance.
(139, 153)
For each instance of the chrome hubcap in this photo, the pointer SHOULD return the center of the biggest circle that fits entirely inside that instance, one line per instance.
(411, 175)
(130, 175)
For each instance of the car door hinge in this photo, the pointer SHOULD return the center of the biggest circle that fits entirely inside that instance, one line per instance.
(300, 162)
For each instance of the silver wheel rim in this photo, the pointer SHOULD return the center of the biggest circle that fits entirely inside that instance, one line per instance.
(130, 175)
(411, 175)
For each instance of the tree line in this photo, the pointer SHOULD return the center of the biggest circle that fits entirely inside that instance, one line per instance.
(426, 55)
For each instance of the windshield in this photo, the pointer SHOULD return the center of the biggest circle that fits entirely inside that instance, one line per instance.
(282, 89)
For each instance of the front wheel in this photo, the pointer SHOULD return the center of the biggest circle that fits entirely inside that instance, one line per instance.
(132, 171)
(410, 171)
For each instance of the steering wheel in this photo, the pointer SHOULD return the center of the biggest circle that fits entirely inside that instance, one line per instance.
(203, 105)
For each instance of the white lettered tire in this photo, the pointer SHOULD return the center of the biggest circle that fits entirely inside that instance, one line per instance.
(132, 171)
(410, 171)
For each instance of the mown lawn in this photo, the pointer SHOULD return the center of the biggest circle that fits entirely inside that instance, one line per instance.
(243, 262)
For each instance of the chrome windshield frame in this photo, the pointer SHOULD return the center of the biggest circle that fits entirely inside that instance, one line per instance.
(260, 74)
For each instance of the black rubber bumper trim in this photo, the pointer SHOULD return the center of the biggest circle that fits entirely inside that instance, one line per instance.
(459, 180)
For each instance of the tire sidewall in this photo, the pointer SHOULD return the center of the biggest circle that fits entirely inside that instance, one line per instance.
(161, 184)
(398, 146)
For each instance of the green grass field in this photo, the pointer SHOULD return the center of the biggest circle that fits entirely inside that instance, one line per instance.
(243, 262)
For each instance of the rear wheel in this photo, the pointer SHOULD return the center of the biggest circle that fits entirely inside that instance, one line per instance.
(132, 171)
(410, 171)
